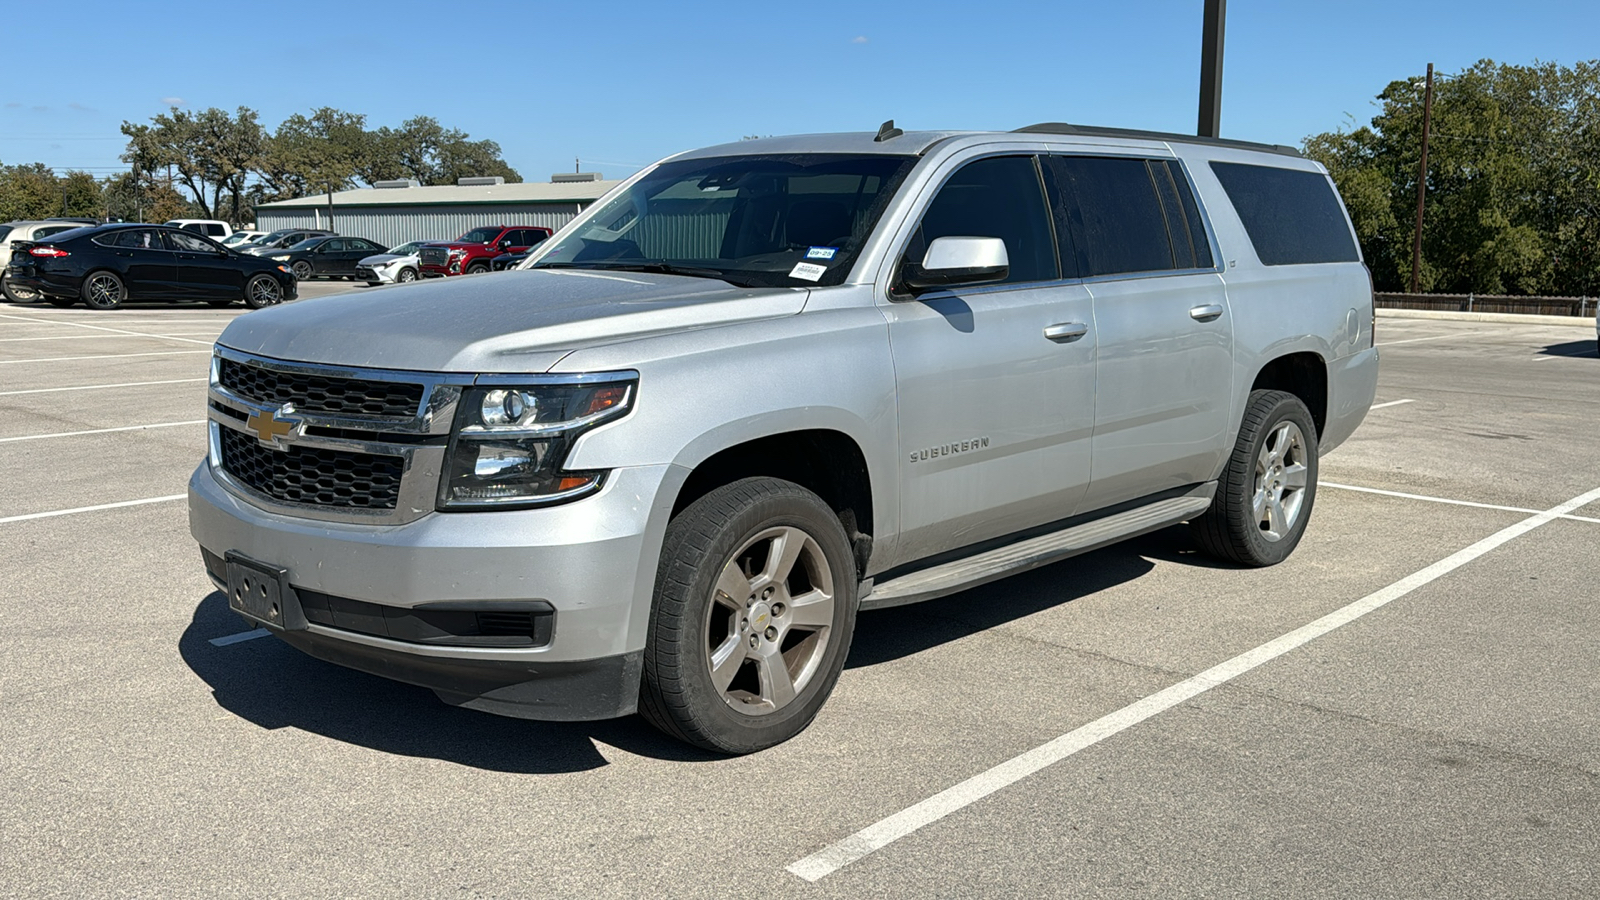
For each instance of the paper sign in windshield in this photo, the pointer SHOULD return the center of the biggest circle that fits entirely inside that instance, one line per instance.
(807, 271)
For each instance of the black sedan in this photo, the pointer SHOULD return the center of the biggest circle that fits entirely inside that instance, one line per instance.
(105, 265)
(325, 257)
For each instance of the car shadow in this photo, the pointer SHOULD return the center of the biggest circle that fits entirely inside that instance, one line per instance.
(272, 685)
(1578, 349)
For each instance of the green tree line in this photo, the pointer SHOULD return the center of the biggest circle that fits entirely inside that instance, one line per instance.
(213, 164)
(1513, 182)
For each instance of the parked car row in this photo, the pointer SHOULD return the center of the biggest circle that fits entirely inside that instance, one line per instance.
(103, 266)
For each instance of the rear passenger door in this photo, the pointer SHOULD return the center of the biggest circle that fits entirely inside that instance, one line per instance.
(1164, 367)
(995, 415)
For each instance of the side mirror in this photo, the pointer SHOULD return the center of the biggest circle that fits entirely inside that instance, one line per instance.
(505, 245)
(958, 260)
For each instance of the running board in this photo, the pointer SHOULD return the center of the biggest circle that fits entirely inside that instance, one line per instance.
(992, 565)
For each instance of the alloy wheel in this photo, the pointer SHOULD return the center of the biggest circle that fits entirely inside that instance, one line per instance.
(769, 622)
(105, 290)
(1280, 483)
(265, 292)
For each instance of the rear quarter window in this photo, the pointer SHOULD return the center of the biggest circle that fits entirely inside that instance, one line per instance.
(1293, 217)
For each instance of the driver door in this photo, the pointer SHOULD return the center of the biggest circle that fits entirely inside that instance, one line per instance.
(995, 383)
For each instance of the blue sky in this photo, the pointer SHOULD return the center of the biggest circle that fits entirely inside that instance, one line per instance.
(621, 84)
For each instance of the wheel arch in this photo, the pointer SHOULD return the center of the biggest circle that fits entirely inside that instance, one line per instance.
(1303, 373)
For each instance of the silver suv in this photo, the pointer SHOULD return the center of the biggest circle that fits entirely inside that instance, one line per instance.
(760, 387)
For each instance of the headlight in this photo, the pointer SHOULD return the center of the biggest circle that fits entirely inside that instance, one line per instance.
(510, 442)
(283, 258)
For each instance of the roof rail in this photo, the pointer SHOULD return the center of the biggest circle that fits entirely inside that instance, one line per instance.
(1097, 131)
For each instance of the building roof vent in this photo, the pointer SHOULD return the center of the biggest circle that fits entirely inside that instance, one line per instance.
(398, 183)
(481, 181)
(570, 177)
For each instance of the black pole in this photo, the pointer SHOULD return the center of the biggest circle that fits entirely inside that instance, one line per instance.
(1422, 181)
(1211, 69)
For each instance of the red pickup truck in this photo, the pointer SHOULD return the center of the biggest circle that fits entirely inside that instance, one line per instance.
(471, 253)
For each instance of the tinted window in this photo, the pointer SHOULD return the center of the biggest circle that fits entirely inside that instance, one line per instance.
(363, 246)
(215, 230)
(54, 229)
(132, 239)
(999, 197)
(1114, 217)
(1291, 216)
(182, 240)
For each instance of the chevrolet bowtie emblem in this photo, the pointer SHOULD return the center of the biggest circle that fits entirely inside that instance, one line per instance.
(274, 427)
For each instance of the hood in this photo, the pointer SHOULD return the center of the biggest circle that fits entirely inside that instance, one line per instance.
(457, 245)
(514, 321)
(385, 258)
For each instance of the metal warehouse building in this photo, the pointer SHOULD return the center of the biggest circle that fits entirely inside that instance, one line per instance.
(398, 211)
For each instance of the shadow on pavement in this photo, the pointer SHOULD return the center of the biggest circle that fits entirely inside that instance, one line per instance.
(275, 686)
(1580, 349)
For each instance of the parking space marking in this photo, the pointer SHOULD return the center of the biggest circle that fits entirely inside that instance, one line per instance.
(1390, 403)
(240, 637)
(96, 387)
(12, 362)
(1437, 337)
(121, 331)
(886, 831)
(1405, 496)
(62, 434)
(83, 509)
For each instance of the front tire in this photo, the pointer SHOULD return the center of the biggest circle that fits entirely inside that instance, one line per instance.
(302, 271)
(406, 276)
(477, 268)
(262, 291)
(103, 290)
(1266, 491)
(755, 606)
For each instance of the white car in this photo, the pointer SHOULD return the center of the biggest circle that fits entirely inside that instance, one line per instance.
(214, 229)
(398, 266)
(241, 237)
(25, 231)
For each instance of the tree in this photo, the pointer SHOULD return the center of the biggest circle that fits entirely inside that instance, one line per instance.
(316, 153)
(423, 149)
(211, 151)
(1513, 198)
(81, 196)
(28, 192)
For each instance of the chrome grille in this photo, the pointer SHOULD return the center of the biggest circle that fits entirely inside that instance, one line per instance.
(311, 475)
(321, 394)
(434, 256)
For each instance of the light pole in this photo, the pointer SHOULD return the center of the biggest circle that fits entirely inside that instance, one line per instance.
(1211, 69)
(1422, 180)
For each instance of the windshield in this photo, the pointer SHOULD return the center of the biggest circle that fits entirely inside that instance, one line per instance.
(274, 236)
(4, 230)
(407, 248)
(306, 244)
(790, 220)
(480, 236)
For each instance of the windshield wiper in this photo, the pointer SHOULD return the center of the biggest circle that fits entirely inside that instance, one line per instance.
(664, 268)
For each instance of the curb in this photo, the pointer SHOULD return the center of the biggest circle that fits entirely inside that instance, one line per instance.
(1514, 318)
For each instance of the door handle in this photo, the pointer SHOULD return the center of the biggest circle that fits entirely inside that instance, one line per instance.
(1206, 313)
(1066, 332)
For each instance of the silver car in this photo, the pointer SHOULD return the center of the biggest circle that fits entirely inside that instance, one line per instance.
(398, 266)
(762, 386)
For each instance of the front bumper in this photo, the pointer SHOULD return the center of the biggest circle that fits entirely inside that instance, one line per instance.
(592, 560)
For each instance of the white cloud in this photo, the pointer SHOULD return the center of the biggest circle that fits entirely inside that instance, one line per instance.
(171, 101)
(859, 39)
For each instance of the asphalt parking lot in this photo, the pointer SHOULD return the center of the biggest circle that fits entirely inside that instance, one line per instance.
(1405, 708)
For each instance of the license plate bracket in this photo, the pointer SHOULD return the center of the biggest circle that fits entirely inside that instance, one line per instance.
(260, 592)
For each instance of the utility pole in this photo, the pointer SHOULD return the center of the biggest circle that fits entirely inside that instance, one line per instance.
(1211, 69)
(1422, 180)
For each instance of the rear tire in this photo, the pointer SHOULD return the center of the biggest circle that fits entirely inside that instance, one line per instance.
(18, 294)
(102, 290)
(1267, 489)
(755, 605)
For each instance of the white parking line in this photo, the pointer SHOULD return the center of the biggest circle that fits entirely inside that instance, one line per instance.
(1437, 337)
(62, 434)
(1405, 496)
(1390, 403)
(122, 331)
(10, 362)
(886, 831)
(84, 509)
(240, 637)
(96, 387)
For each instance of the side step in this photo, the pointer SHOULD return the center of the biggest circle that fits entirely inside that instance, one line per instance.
(992, 565)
